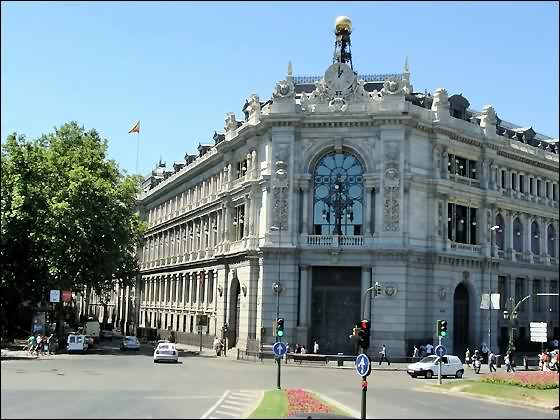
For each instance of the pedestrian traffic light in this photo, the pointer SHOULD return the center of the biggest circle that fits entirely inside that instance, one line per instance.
(442, 328)
(365, 334)
(280, 327)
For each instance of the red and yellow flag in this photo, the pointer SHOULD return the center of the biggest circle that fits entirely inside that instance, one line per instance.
(135, 128)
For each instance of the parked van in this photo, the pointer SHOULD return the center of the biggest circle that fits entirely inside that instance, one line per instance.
(77, 342)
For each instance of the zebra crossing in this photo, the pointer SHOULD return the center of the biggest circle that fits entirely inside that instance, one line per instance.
(235, 405)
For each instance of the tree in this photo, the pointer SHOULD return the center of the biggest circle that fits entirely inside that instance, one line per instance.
(69, 217)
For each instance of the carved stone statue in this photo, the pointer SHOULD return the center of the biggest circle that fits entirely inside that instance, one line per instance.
(230, 122)
(392, 86)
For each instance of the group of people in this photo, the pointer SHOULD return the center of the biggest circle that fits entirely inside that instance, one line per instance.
(41, 344)
(548, 360)
(470, 360)
(422, 351)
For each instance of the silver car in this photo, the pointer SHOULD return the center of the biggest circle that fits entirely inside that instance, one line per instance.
(166, 352)
(130, 342)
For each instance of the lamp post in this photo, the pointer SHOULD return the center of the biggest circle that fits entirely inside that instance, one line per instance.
(276, 289)
(341, 203)
(492, 230)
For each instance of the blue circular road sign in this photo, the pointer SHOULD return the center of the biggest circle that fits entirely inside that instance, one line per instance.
(363, 365)
(441, 351)
(279, 349)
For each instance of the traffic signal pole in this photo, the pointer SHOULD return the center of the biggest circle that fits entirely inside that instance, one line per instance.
(439, 364)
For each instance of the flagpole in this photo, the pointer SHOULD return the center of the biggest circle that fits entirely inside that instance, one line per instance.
(137, 150)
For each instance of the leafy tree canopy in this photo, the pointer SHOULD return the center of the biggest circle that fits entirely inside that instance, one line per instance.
(68, 217)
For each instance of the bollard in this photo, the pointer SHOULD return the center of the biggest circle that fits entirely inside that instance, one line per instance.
(340, 360)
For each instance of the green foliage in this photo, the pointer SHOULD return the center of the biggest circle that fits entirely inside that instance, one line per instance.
(68, 216)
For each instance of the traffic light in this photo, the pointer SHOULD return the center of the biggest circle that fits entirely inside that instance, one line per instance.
(280, 327)
(365, 334)
(378, 289)
(442, 328)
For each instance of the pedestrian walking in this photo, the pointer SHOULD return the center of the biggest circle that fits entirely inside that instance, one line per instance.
(303, 351)
(315, 347)
(383, 354)
(508, 360)
(415, 353)
(492, 361)
(217, 344)
(468, 357)
(429, 349)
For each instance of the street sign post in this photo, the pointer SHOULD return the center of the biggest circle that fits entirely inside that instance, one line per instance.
(279, 349)
(440, 351)
(363, 369)
(538, 332)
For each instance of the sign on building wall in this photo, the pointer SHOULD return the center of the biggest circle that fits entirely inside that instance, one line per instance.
(538, 332)
(55, 296)
(484, 301)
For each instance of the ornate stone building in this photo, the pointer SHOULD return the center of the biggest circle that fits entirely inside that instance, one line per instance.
(340, 181)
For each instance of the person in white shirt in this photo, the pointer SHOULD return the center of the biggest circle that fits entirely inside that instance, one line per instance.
(315, 347)
(303, 351)
(429, 348)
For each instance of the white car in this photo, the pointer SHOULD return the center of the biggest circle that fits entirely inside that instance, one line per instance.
(77, 342)
(428, 367)
(166, 352)
(130, 342)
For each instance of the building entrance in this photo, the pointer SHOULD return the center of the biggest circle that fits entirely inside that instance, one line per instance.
(461, 331)
(335, 308)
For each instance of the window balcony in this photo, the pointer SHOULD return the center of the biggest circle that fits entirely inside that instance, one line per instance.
(466, 248)
(328, 241)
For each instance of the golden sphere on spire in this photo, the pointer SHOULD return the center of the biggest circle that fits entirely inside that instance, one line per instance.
(343, 23)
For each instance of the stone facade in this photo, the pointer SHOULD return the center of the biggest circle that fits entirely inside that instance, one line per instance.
(226, 224)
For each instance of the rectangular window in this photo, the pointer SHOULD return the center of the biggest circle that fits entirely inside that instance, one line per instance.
(194, 289)
(239, 222)
(473, 240)
(473, 170)
(539, 188)
(531, 188)
(211, 287)
(503, 184)
(461, 224)
(522, 183)
(450, 224)
(184, 323)
(460, 166)
(520, 292)
(555, 192)
(537, 285)
(547, 189)
(180, 293)
(553, 287)
(502, 291)
(191, 325)
(202, 289)
(514, 181)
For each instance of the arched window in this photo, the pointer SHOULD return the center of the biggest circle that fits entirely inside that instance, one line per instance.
(517, 235)
(500, 233)
(551, 241)
(535, 239)
(338, 195)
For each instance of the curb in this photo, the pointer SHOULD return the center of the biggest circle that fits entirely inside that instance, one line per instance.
(502, 401)
(337, 404)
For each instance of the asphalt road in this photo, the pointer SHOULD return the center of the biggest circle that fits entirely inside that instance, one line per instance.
(112, 385)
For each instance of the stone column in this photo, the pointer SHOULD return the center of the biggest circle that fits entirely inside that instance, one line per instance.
(527, 252)
(255, 164)
(446, 216)
(366, 284)
(367, 210)
(304, 297)
(509, 234)
(305, 208)
(445, 164)
(247, 215)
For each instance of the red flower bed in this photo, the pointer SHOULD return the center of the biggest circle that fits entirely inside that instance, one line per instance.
(535, 380)
(301, 401)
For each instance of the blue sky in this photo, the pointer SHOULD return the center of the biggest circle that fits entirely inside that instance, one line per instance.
(180, 67)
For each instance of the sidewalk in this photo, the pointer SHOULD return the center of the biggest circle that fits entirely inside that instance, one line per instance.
(17, 355)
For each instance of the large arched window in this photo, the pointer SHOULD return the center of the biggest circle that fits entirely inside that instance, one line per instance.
(517, 235)
(551, 241)
(500, 233)
(535, 239)
(338, 195)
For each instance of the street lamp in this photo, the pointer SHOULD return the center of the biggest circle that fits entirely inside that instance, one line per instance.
(340, 202)
(492, 230)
